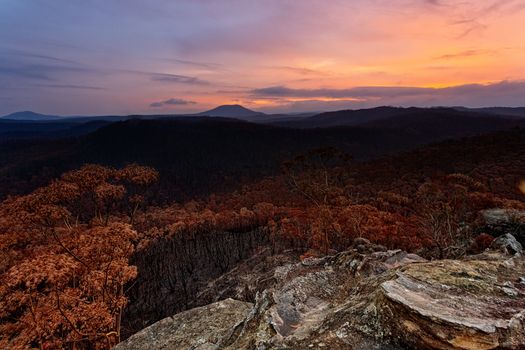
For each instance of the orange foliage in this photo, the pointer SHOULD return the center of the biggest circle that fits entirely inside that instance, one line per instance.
(66, 246)
(62, 278)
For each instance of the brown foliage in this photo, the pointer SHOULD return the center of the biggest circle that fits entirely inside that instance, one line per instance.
(480, 243)
(66, 246)
(64, 271)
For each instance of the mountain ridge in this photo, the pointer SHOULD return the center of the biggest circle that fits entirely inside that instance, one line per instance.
(29, 115)
(231, 111)
(348, 117)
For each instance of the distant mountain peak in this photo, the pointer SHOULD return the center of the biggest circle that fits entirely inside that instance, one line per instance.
(231, 111)
(29, 115)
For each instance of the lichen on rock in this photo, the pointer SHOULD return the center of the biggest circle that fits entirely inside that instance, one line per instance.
(207, 327)
(383, 300)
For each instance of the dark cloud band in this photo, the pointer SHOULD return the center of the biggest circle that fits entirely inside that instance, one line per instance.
(172, 101)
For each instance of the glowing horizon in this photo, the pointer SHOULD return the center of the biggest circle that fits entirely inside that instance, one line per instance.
(125, 57)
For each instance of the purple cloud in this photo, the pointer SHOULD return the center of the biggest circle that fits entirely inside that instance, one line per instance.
(356, 92)
(504, 93)
(175, 78)
(172, 101)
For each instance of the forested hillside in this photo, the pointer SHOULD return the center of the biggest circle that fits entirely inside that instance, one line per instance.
(91, 258)
(197, 156)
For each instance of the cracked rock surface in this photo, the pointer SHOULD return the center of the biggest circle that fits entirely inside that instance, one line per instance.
(202, 328)
(383, 300)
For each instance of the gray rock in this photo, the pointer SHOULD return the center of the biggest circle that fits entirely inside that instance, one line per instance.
(454, 304)
(203, 328)
(498, 216)
(507, 244)
(361, 241)
(383, 301)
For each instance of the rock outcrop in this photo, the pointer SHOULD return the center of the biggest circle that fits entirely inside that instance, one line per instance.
(474, 304)
(507, 244)
(499, 216)
(499, 222)
(381, 300)
(202, 328)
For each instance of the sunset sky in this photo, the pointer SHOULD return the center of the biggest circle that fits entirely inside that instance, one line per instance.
(74, 57)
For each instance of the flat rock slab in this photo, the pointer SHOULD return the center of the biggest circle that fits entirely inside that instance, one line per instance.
(206, 327)
(450, 304)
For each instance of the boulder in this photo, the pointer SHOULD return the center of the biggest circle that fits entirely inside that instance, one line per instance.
(498, 216)
(203, 328)
(453, 304)
(498, 222)
(385, 300)
(507, 244)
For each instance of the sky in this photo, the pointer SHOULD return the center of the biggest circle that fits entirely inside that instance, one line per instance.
(92, 57)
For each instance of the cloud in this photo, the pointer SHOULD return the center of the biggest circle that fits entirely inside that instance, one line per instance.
(40, 71)
(298, 70)
(474, 26)
(191, 49)
(466, 53)
(179, 79)
(25, 72)
(178, 101)
(433, 2)
(356, 92)
(69, 86)
(172, 101)
(478, 16)
(503, 93)
(205, 65)
(31, 55)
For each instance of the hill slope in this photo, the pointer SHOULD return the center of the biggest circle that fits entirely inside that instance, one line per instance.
(405, 117)
(203, 155)
(28, 115)
(343, 118)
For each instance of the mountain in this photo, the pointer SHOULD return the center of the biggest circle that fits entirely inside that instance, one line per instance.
(203, 155)
(442, 123)
(233, 111)
(518, 112)
(47, 129)
(435, 123)
(401, 118)
(343, 118)
(28, 115)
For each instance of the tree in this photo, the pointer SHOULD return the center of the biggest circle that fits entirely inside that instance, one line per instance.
(62, 282)
(447, 209)
(318, 174)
